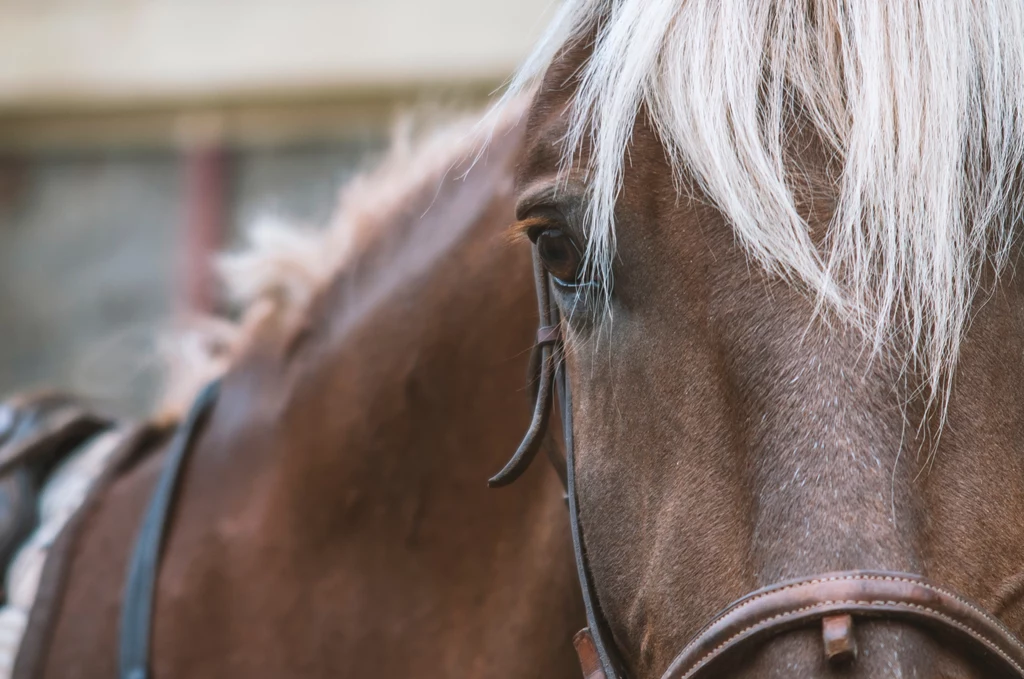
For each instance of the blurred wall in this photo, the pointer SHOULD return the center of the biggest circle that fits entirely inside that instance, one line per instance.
(88, 51)
(105, 104)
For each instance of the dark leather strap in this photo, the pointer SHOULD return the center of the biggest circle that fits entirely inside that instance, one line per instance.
(551, 375)
(37, 432)
(861, 594)
(43, 428)
(597, 631)
(137, 611)
(548, 334)
(136, 441)
(590, 662)
(548, 338)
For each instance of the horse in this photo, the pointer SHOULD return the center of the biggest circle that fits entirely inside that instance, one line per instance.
(332, 517)
(777, 245)
(774, 247)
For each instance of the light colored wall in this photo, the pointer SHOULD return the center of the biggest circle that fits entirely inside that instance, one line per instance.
(89, 247)
(87, 254)
(60, 53)
(97, 98)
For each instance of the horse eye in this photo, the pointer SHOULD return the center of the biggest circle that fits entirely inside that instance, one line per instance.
(560, 256)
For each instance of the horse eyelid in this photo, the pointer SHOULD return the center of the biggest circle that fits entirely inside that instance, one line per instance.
(576, 286)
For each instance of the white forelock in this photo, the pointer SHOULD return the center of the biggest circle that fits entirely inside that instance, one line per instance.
(921, 103)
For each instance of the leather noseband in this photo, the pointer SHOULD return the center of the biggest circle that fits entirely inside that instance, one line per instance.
(840, 597)
(831, 601)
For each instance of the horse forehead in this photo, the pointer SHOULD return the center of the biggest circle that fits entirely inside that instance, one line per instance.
(543, 141)
(551, 107)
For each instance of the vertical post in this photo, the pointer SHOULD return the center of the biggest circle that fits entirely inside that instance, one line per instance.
(205, 166)
(13, 180)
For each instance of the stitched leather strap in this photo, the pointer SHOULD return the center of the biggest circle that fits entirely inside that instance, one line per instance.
(862, 594)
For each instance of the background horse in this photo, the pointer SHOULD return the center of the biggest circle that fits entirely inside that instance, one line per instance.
(766, 225)
(334, 518)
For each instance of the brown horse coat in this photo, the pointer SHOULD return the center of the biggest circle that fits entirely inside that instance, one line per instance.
(334, 518)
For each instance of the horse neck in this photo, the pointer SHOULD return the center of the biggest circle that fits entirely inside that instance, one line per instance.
(406, 373)
(350, 452)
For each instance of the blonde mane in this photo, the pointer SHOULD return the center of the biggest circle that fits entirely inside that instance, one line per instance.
(921, 104)
(282, 265)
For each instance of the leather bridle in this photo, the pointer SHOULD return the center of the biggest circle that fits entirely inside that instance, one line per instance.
(832, 601)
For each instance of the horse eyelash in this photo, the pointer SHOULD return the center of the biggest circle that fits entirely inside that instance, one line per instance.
(520, 230)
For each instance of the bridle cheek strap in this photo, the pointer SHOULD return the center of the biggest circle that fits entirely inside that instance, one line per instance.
(834, 601)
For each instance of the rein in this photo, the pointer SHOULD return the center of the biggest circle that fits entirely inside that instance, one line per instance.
(831, 601)
(140, 589)
(551, 376)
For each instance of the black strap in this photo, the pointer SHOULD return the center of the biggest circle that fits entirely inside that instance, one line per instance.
(542, 362)
(139, 593)
(598, 629)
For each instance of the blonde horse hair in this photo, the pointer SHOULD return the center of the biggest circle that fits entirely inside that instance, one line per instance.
(921, 103)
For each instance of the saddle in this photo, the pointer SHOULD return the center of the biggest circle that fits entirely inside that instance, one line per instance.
(37, 432)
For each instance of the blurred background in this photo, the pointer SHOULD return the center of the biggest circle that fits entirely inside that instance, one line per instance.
(139, 137)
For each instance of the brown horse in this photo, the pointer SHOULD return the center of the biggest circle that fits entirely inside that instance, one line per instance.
(765, 226)
(762, 228)
(334, 518)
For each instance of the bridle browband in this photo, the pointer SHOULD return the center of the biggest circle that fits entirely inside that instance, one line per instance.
(832, 601)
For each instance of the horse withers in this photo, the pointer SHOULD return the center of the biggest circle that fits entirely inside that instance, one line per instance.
(332, 518)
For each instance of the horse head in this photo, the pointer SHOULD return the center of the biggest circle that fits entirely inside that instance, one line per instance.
(763, 234)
